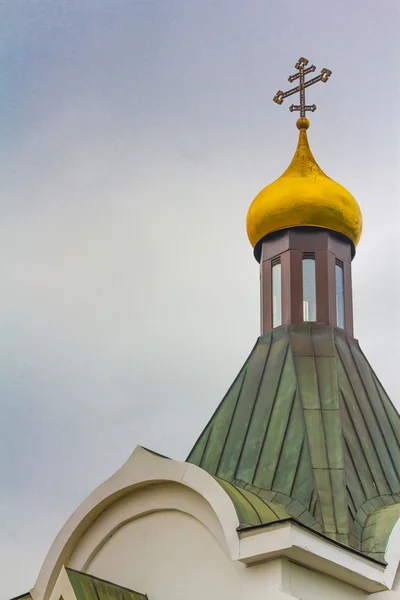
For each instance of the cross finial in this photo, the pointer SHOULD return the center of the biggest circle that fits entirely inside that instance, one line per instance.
(302, 72)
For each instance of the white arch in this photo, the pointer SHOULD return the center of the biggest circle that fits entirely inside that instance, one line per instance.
(143, 468)
(392, 556)
(159, 497)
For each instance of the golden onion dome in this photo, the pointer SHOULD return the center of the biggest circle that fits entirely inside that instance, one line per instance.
(303, 196)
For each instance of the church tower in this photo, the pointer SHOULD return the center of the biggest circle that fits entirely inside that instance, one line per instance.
(293, 488)
(306, 432)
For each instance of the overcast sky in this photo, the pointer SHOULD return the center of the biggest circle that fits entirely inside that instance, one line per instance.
(135, 134)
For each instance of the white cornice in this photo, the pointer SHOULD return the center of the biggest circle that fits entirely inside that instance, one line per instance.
(302, 546)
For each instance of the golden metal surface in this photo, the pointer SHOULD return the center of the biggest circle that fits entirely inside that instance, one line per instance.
(304, 196)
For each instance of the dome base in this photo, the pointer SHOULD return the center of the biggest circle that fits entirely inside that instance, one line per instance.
(306, 229)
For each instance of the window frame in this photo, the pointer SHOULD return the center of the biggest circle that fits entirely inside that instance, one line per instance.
(309, 256)
(275, 310)
(341, 323)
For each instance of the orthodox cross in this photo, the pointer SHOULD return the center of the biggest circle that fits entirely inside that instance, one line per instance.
(302, 72)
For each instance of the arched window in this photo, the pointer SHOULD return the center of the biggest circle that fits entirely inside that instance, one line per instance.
(309, 288)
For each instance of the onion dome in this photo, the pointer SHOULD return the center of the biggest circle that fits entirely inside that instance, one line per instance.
(303, 196)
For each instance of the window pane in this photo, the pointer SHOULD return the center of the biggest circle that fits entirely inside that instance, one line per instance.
(309, 293)
(276, 295)
(339, 296)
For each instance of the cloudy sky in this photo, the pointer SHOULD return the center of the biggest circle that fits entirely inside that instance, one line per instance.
(134, 135)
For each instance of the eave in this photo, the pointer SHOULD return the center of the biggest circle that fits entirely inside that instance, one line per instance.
(290, 540)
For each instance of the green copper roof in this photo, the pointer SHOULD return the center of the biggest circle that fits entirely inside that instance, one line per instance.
(88, 587)
(252, 509)
(307, 427)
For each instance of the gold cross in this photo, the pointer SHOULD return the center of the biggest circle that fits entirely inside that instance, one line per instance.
(302, 71)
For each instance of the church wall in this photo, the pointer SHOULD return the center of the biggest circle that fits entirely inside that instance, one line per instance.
(310, 585)
(150, 499)
(159, 540)
(170, 556)
(165, 540)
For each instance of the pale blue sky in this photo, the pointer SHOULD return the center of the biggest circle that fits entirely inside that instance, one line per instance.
(135, 134)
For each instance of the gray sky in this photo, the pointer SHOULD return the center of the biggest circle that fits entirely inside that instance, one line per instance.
(135, 134)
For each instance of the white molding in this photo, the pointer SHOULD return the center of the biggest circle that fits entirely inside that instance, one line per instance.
(161, 497)
(63, 588)
(392, 555)
(312, 551)
(143, 468)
